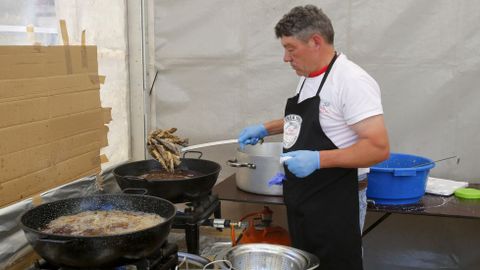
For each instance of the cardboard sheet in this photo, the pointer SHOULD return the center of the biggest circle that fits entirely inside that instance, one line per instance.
(52, 125)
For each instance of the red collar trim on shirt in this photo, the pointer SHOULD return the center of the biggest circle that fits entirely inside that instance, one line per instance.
(318, 72)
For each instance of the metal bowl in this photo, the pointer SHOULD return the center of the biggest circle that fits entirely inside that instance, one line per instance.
(268, 257)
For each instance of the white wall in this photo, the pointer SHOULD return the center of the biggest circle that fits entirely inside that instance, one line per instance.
(221, 68)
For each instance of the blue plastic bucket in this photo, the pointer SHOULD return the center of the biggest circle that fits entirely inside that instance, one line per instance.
(397, 180)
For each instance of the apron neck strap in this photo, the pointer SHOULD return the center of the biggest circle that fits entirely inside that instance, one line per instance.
(324, 76)
(326, 73)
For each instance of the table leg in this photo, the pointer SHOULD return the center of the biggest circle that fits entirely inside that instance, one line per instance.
(375, 224)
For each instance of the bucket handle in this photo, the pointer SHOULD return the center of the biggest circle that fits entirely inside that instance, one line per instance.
(403, 172)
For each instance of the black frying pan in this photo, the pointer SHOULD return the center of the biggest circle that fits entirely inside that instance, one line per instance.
(97, 251)
(179, 190)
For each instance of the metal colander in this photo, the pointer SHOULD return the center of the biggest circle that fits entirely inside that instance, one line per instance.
(269, 257)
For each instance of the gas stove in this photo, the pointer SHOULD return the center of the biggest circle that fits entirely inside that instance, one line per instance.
(193, 216)
(165, 258)
(190, 218)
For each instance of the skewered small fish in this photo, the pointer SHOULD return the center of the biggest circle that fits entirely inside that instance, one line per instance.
(165, 147)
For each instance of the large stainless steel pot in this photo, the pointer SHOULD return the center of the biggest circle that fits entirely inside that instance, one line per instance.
(257, 164)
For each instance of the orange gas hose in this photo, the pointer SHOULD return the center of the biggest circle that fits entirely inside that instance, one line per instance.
(249, 215)
(232, 235)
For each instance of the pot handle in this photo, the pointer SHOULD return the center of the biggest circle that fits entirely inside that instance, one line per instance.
(134, 178)
(140, 191)
(234, 163)
(200, 154)
(55, 241)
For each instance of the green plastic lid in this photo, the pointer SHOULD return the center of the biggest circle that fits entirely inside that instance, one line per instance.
(468, 193)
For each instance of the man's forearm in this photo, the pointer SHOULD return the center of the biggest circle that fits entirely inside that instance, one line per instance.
(371, 147)
(274, 127)
(362, 154)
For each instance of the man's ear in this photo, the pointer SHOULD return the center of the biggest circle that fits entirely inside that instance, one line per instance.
(317, 40)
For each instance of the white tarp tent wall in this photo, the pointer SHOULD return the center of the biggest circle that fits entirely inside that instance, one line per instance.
(220, 68)
(109, 34)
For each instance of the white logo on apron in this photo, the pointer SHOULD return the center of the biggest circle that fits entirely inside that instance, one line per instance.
(291, 129)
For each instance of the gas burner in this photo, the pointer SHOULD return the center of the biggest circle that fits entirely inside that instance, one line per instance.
(194, 215)
(201, 205)
(165, 258)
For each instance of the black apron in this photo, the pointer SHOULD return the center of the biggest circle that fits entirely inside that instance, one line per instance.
(322, 208)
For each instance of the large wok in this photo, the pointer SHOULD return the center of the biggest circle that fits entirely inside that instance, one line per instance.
(97, 251)
(175, 190)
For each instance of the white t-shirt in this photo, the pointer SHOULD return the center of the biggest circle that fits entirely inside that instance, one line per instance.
(348, 96)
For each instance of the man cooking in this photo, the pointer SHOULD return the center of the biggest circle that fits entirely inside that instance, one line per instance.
(332, 126)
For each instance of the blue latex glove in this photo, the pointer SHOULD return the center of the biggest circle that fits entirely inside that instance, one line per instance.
(303, 162)
(277, 179)
(251, 135)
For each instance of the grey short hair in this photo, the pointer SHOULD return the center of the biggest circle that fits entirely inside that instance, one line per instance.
(303, 22)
